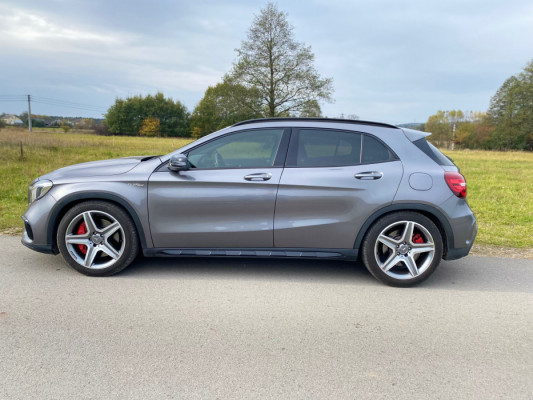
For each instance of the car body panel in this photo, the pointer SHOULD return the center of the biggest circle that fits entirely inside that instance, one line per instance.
(212, 208)
(95, 168)
(128, 189)
(325, 207)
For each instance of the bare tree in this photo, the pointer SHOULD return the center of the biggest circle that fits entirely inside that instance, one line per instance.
(282, 69)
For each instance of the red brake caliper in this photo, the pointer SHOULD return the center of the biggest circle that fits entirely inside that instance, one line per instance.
(82, 230)
(417, 238)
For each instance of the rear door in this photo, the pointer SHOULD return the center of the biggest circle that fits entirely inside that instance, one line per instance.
(332, 182)
(226, 200)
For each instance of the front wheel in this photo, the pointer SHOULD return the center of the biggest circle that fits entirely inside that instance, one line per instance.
(402, 249)
(97, 238)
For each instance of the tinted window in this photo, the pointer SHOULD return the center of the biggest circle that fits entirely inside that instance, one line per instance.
(374, 151)
(327, 148)
(249, 149)
(432, 152)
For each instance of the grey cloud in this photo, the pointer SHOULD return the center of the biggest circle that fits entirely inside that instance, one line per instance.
(390, 61)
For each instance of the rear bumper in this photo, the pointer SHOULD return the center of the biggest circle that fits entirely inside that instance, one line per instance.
(464, 228)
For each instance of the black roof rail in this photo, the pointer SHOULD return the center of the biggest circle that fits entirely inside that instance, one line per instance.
(336, 120)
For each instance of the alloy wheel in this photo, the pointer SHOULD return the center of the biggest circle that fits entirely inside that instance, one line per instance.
(95, 239)
(404, 250)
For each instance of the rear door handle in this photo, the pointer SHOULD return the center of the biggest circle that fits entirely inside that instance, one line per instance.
(258, 177)
(369, 175)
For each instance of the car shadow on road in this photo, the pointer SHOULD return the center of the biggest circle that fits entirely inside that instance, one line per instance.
(256, 269)
(469, 274)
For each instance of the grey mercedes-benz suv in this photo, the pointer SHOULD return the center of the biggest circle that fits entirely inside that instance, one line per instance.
(282, 187)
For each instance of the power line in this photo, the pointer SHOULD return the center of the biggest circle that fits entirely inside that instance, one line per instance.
(48, 100)
(96, 109)
(53, 102)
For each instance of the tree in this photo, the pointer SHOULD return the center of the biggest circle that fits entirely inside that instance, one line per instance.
(223, 105)
(311, 109)
(126, 117)
(150, 127)
(439, 126)
(472, 129)
(511, 112)
(278, 66)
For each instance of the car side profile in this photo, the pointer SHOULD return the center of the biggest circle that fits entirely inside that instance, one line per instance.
(279, 187)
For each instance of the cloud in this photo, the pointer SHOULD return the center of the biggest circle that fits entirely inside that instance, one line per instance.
(390, 60)
(19, 27)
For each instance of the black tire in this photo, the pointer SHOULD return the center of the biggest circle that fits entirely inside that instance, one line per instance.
(101, 235)
(402, 249)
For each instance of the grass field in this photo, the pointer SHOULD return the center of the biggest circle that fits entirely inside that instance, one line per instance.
(500, 184)
(45, 150)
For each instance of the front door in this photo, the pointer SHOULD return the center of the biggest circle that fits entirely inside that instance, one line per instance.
(227, 198)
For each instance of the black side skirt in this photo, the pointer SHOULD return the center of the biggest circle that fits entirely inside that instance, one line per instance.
(345, 254)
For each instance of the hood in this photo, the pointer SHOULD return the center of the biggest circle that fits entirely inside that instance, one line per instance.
(96, 168)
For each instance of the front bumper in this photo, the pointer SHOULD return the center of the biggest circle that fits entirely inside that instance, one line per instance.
(41, 248)
(37, 234)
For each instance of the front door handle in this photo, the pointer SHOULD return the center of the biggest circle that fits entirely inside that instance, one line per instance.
(369, 175)
(258, 177)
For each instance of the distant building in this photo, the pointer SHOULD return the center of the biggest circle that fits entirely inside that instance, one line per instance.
(11, 119)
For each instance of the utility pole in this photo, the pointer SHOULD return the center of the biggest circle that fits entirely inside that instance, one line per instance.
(453, 137)
(29, 113)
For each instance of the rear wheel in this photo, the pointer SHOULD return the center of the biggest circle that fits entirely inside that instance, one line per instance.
(97, 238)
(402, 249)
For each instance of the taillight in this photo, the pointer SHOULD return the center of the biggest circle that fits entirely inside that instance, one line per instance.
(456, 182)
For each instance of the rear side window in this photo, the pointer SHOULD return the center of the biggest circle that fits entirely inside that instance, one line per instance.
(374, 151)
(327, 148)
(432, 152)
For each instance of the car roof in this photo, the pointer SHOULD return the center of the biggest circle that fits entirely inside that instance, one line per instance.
(321, 120)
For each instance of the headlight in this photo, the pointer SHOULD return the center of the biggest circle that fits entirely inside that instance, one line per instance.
(38, 189)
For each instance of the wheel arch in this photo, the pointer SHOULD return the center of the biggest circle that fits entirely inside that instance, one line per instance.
(69, 201)
(434, 214)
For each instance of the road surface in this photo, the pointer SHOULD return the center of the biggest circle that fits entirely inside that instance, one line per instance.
(251, 329)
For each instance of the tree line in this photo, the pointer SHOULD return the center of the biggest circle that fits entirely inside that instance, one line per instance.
(507, 124)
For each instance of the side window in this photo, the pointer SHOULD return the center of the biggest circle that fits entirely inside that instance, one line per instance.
(248, 149)
(327, 148)
(374, 151)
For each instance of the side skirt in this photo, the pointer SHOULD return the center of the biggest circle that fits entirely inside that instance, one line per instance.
(343, 254)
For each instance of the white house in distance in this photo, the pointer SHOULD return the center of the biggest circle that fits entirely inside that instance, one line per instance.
(11, 119)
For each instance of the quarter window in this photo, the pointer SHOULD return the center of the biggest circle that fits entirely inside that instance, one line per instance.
(374, 151)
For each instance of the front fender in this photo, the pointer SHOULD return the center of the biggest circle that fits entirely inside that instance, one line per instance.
(67, 201)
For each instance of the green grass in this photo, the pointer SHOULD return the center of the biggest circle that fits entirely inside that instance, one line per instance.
(500, 184)
(46, 150)
(500, 191)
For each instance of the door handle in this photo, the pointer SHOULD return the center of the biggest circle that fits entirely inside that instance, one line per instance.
(258, 177)
(369, 175)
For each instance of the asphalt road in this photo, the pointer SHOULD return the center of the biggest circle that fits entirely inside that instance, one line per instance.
(250, 329)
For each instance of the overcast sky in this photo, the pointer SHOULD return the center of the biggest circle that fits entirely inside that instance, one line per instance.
(391, 61)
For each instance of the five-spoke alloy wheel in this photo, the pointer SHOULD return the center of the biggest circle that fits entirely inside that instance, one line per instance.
(97, 238)
(402, 249)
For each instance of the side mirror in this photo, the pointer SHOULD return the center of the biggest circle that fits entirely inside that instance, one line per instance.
(178, 163)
